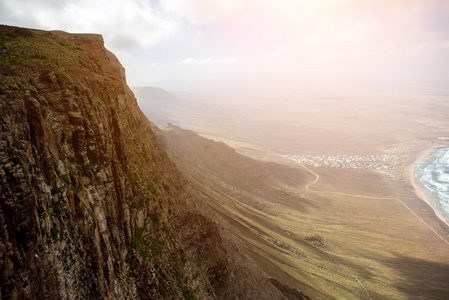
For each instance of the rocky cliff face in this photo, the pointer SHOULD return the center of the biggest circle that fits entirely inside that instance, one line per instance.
(90, 205)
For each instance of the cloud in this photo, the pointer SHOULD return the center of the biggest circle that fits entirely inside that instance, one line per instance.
(122, 23)
(280, 50)
(200, 40)
(318, 26)
(193, 61)
(200, 11)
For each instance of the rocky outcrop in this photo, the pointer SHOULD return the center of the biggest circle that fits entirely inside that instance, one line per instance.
(90, 205)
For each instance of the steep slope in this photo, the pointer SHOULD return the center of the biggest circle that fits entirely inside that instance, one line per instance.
(218, 160)
(90, 205)
(247, 198)
(319, 241)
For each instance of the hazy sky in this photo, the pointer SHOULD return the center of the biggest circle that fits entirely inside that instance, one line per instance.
(178, 44)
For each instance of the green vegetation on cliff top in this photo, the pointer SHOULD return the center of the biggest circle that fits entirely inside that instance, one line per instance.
(25, 50)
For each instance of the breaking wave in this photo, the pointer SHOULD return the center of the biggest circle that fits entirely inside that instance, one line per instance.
(432, 173)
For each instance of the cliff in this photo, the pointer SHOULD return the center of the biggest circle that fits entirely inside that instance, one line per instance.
(90, 204)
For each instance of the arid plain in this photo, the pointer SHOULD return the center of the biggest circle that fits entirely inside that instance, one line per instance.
(342, 230)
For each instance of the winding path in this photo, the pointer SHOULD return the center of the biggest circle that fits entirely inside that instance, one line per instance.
(317, 177)
(268, 152)
(312, 183)
(366, 197)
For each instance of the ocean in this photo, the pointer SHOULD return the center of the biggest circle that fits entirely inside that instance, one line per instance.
(432, 174)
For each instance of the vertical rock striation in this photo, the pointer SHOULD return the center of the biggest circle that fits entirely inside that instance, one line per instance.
(90, 205)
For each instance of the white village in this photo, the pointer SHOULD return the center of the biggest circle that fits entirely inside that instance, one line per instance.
(378, 162)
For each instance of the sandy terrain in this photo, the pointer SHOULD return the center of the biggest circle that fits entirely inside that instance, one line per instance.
(333, 232)
(371, 237)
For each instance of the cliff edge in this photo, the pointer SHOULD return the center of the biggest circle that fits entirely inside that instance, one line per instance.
(90, 204)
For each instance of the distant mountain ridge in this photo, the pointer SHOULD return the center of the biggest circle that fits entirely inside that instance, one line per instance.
(157, 104)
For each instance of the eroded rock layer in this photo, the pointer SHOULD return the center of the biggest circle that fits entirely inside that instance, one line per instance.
(90, 205)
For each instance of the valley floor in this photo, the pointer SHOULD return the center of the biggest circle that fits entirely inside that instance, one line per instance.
(338, 233)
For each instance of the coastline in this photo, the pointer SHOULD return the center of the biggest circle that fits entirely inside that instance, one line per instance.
(420, 191)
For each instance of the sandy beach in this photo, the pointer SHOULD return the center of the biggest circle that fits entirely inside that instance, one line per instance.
(420, 191)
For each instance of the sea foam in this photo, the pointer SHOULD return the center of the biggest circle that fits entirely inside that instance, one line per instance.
(432, 173)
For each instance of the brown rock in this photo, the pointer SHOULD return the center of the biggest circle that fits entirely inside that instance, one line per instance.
(90, 205)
